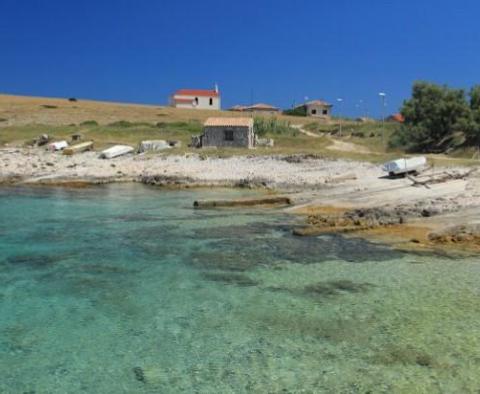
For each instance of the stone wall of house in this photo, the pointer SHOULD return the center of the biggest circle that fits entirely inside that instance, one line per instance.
(216, 136)
(318, 110)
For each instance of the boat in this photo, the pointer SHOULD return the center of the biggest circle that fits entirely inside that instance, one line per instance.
(59, 145)
(82, 147)
(405, 165)
(115, 151)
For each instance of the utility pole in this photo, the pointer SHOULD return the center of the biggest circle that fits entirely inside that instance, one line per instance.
(340, 102)
(382, 98)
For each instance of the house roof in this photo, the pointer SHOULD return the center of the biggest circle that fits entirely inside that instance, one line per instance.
(259, 106)
(318, 102)
(237, 108)
(229, 122)
(197, 93)
(397, 118)
(263, 106)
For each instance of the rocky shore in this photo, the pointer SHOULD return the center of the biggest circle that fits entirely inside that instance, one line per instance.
(440, 207)
(37, 166)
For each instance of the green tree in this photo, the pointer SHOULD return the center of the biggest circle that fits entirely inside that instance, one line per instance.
(432, 115)
(474, 128)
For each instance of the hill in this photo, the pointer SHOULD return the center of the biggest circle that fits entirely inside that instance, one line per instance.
(24, 118)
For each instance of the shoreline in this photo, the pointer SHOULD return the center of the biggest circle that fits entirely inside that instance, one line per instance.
(440, 211)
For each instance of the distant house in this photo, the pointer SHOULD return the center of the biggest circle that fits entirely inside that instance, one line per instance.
(396, 118)
(196, 99)
(228, 132)
(256, 108)
(318, 108)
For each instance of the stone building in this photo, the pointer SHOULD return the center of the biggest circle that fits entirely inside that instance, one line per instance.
(259, 108)
(317, 108)
(196, 99)
(228, 132)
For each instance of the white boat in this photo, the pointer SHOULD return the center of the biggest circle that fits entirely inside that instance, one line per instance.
(59, 145)
(115, 151)
(405, 165)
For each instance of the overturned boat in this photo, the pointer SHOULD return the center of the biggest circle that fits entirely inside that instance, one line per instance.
(78, 148)
(115, 151)
(405, 165)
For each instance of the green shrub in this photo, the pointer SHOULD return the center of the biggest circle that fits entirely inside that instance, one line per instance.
(264, 126)
(193, 126)
(125, 124)
(89, 123)
(298, 111)
(49, 106)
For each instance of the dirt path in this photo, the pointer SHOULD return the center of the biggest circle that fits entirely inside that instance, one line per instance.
(336, 144)
(343, 146)
(300, 128)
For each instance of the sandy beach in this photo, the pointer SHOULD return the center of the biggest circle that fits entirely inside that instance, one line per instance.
(441, 207)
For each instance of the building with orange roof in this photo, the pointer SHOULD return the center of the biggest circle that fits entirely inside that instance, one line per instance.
(228, 132)
(256, 108)
(196, 99)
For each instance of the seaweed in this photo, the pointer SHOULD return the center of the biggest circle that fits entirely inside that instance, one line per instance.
(139, 374)
(34, 260)
(230, 278)
(337, 287)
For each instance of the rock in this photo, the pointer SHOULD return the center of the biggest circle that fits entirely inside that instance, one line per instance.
(154, 145)
(266, 142)
(43, 139)
(77, 137)
(139, 374)
(175, 144)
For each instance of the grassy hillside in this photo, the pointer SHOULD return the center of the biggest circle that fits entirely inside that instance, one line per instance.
(19, 110)
(24, 118)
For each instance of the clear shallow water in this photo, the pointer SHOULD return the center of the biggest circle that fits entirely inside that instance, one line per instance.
(124, 289)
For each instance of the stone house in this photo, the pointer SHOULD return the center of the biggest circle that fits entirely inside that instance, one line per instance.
(317, 108)
(228, 132)
(196, 99)
(259, 108)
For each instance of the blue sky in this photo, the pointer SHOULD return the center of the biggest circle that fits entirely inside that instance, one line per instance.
(281, 51)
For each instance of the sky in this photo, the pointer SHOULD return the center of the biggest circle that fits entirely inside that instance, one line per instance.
(278, 52)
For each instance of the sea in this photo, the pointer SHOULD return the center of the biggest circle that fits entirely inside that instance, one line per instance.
(126, 288)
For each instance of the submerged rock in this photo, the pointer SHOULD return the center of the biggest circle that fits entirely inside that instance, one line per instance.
(230, 278)
(34, 260)
(139, 374)
(337, 287)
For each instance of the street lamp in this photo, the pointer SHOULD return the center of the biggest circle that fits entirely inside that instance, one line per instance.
(340, 102)
(383, 96)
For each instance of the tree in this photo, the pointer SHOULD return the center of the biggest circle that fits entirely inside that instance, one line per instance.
(474, 129)
(432, 115)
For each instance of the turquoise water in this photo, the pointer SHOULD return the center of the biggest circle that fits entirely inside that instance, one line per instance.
(127, 289)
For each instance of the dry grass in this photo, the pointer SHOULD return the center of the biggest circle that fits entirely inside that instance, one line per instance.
(19, 110)
(24, 118)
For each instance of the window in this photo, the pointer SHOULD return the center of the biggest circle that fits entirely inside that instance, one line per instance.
(314, 111)
(325, 112)
(228, 135)
(211, 101)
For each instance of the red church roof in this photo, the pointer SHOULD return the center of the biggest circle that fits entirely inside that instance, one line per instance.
(197, 93)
